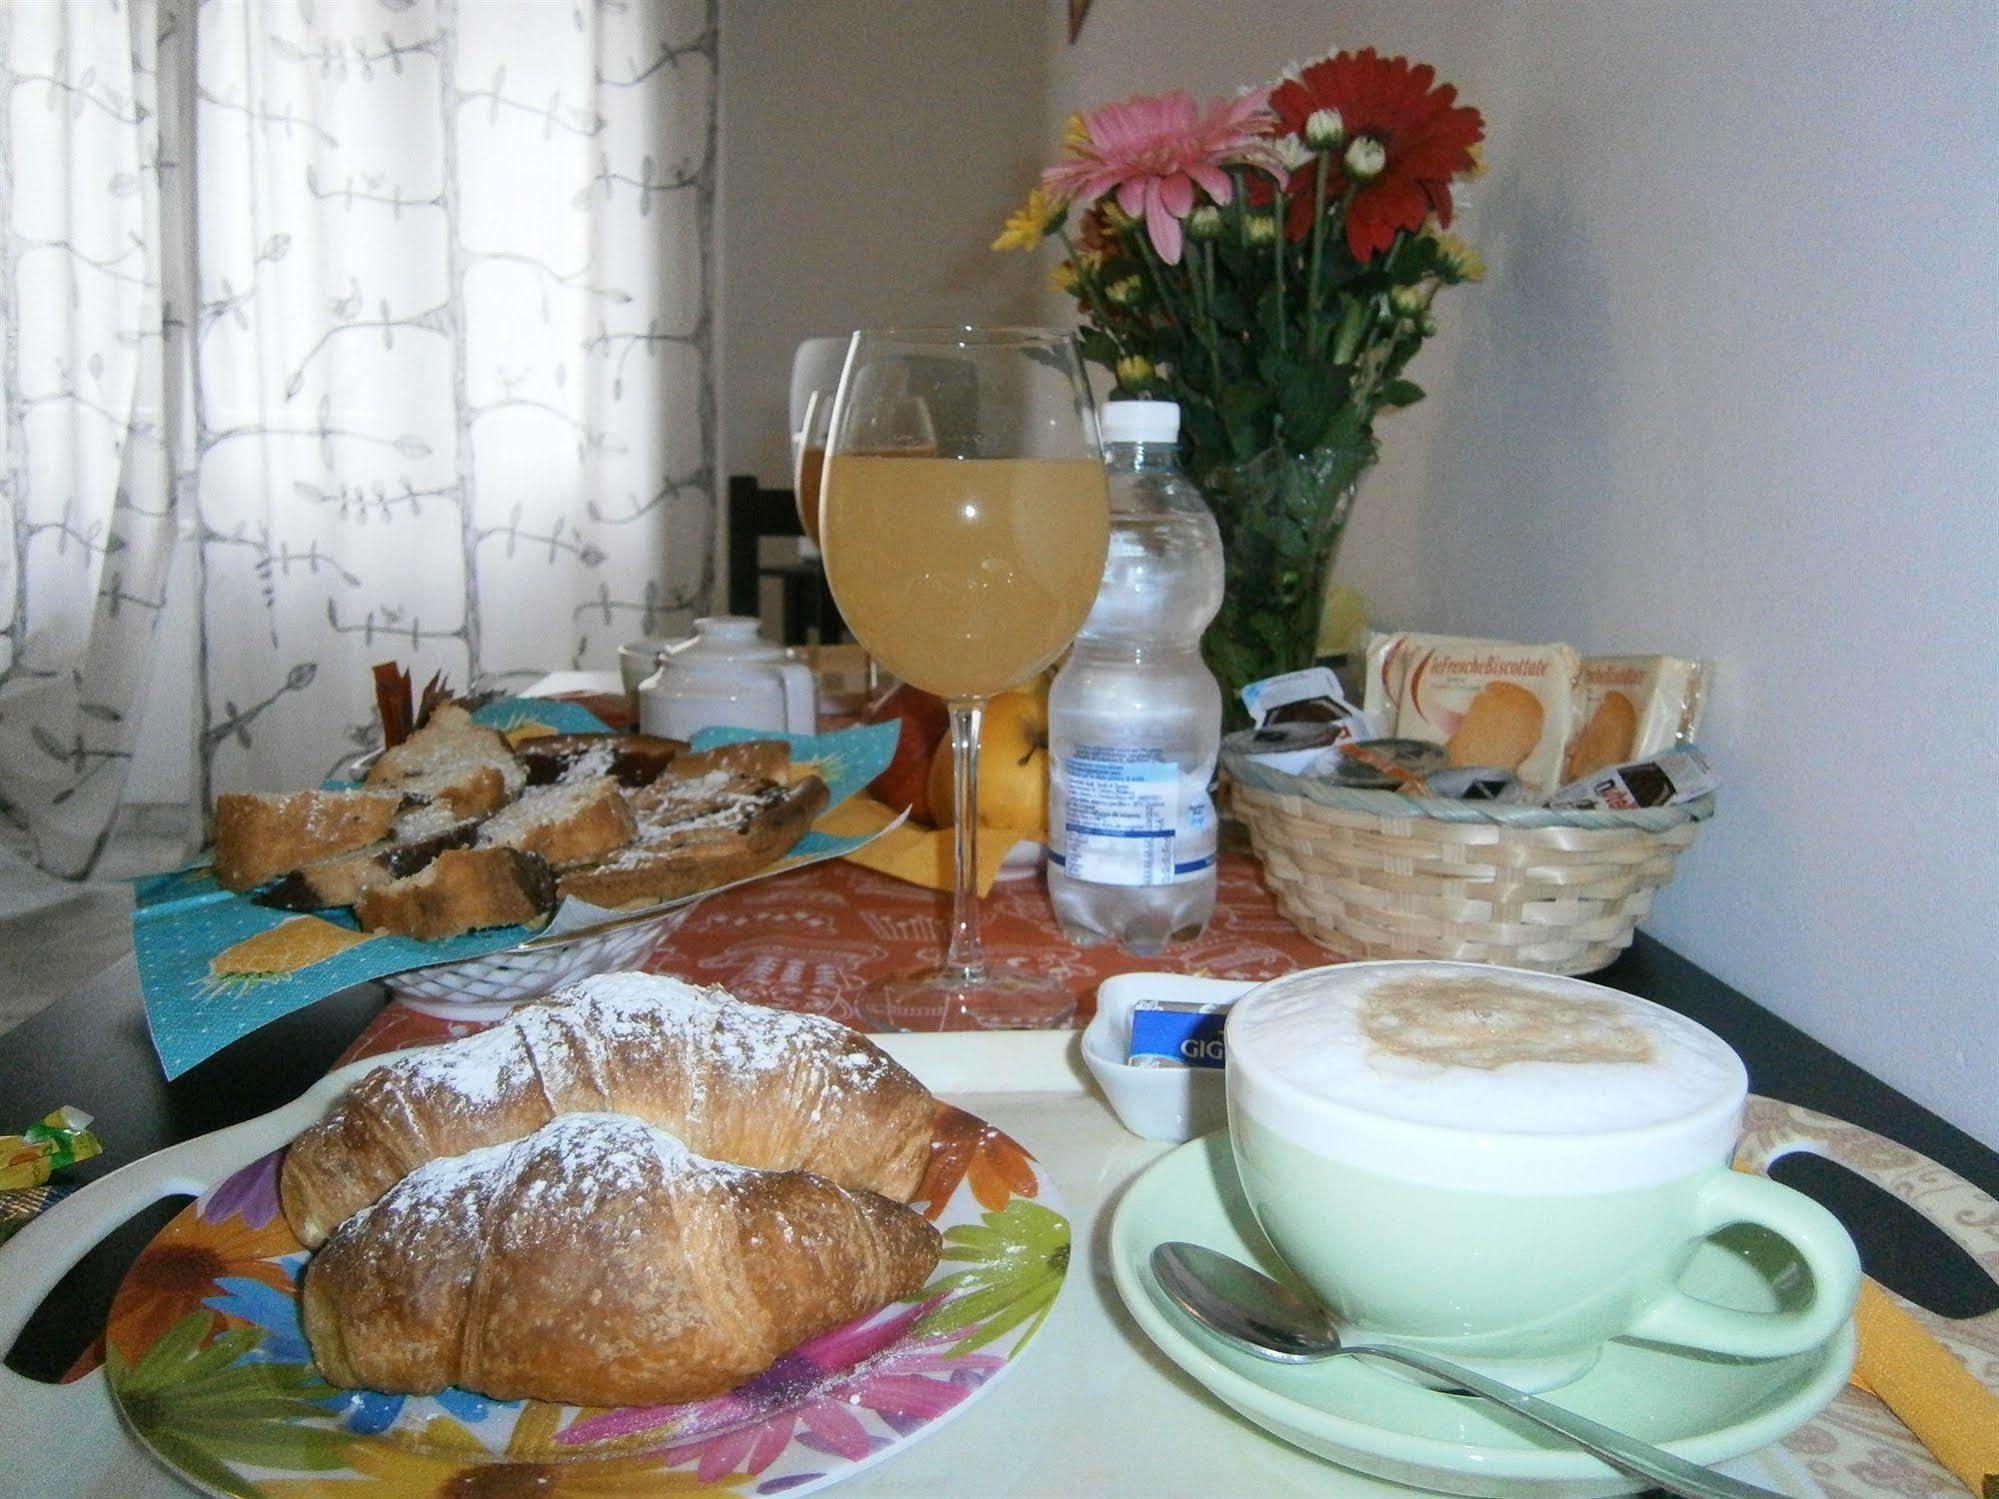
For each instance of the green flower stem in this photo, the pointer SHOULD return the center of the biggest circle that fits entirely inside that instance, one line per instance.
(1190, 261)
(1277, 249)
(1204, 277)
(1318, 255)
(1162, 285)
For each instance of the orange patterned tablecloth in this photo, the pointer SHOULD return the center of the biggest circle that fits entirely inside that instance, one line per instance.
(813, 939)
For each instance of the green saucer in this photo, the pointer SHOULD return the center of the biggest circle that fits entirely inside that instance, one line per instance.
(1703, 1407)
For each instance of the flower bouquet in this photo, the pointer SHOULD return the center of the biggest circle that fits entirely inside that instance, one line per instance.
(1268, 263)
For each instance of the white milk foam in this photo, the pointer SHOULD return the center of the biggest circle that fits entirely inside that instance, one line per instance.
(1537, 1067)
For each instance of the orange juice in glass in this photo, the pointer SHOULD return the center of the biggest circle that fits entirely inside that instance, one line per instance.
(966, 576)
(811, 464)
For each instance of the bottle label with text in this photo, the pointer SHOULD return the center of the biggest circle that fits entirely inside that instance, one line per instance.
(1127, 816)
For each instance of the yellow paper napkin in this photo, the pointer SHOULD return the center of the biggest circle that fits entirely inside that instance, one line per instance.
(1929, 1391)
(923, 856)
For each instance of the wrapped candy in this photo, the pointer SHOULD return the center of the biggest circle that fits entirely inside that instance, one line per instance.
(59, 1139)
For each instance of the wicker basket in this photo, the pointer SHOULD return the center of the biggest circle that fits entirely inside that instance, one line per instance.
(1375, 874)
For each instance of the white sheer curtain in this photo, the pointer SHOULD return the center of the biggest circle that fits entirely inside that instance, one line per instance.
(397, 312)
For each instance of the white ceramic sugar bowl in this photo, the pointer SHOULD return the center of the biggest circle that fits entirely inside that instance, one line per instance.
(730, 676)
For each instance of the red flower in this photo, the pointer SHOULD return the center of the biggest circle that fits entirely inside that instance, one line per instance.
(1425, 134)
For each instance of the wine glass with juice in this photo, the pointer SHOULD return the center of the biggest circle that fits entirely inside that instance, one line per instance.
(894, 422)
(965, 569)
(815, 375)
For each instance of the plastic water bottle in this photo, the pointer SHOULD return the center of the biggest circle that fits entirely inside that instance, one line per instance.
(1135, 717)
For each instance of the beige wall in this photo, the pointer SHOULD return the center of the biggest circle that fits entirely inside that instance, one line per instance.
(1729, 390)
(870, 149)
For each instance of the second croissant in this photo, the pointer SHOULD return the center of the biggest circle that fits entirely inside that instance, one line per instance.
(599, 1262)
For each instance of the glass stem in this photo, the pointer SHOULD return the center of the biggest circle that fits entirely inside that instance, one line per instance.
(966, 958)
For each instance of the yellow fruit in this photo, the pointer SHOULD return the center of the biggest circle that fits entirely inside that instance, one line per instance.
(1036, 685)
(1013, 767)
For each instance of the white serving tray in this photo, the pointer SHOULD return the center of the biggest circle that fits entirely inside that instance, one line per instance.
(1092, 1409)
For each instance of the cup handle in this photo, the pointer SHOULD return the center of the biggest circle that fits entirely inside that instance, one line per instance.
(1731, 1197)
(801, 697)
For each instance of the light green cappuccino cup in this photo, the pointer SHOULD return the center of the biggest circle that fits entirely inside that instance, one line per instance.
(1509, 1168)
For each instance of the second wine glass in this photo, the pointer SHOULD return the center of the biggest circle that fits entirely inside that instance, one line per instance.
(965, 571)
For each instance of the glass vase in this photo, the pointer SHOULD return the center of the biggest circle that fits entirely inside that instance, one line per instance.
(1282, 516)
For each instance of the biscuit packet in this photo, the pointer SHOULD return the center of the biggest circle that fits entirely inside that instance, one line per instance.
(1490, 703)
(1633, 707)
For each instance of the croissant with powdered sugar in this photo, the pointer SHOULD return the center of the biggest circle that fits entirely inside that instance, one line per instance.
(599, 1262)
(740, 1083)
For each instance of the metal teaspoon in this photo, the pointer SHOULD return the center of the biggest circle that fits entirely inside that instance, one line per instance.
(1247, 1309)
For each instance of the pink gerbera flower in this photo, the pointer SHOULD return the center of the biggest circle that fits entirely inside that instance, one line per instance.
(1153, 152)
(813, 1396)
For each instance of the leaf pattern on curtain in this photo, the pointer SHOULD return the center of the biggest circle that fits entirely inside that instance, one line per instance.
(433, 377)
(85, 469)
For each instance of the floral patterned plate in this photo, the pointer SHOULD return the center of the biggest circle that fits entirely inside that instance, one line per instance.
(209, 1367)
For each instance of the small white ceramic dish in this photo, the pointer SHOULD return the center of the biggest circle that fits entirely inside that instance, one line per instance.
(1160, 1103)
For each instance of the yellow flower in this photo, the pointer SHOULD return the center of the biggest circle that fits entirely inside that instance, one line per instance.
(1067, 277)
(1029, 224)
(1477, 171)
(1134, 370)
(1075, 135)
(1409, 300)
(1124, 291)
(1461, 258)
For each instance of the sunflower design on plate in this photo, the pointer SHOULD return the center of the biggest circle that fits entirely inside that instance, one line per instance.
(207, 1361)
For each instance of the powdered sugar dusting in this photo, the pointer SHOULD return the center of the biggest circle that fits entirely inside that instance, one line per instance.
(747, 1040)
(431, 820)
(545, 807)
(440, 1188)
(588, 1162)
(766, 1088)
(569, 1037)
(716, 799)
(324, 815)
(474, 1074)
(595, 761)
(451, 742)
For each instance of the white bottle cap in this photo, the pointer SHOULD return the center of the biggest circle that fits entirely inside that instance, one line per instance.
(1141, 421)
